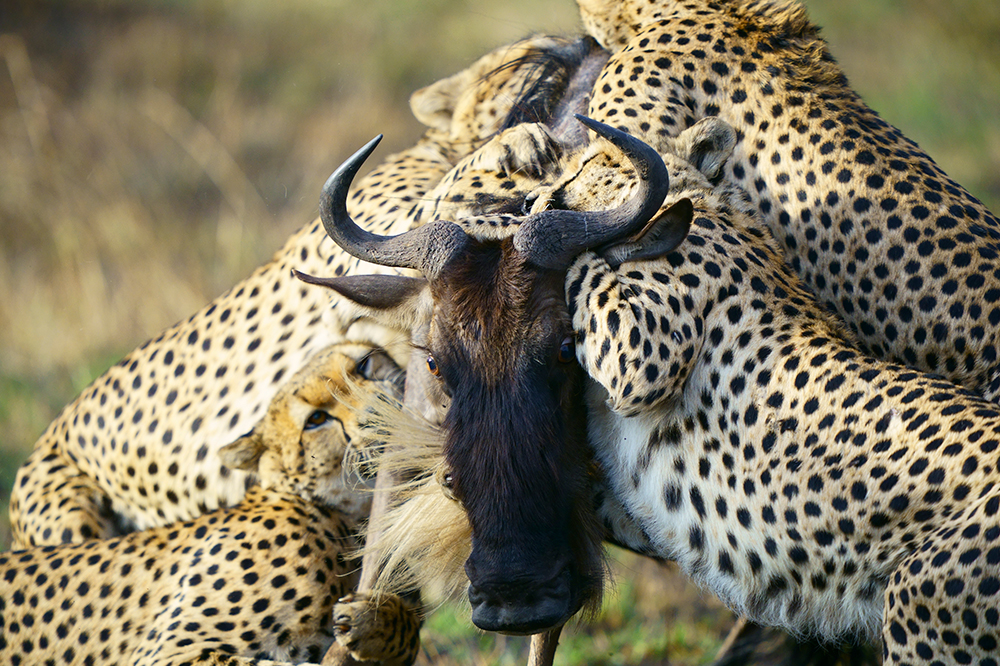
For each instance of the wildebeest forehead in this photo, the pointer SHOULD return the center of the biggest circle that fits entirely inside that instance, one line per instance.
(495, 311)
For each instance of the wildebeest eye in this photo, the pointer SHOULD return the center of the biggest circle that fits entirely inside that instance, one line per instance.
(447, 482)
(316, 419)
(432, 366)
(567, 350)
(529, 201)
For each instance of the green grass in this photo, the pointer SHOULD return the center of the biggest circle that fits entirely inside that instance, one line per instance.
(28, 403)
(650, 615)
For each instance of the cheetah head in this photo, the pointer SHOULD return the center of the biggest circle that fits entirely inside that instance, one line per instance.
(595, 178)
(311, 425)
(541, 79)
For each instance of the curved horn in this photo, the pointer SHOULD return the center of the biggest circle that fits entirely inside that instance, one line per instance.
(553, 238)
(426, 249)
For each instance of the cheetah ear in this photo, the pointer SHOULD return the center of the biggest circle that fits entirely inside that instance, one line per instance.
(708, 145)
(659, 237)
(244, 453)
(434, 105)
(391, 300)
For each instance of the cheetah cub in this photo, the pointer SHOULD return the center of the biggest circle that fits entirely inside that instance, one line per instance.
(258, 581)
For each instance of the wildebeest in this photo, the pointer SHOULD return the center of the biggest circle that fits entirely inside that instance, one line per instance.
(809, 486)
(498, 338)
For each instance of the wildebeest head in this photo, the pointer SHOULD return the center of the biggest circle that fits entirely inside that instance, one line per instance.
(491, 327)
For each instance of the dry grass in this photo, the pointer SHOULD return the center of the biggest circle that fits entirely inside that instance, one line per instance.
(153, 152)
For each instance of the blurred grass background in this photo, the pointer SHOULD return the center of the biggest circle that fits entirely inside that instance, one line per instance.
(152, 152)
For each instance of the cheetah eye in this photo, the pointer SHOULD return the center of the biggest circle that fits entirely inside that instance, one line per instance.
(316, 419)
(432, 366)
(364, 367)
(567, 350)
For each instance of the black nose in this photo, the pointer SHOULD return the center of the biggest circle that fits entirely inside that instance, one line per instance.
(522, 608)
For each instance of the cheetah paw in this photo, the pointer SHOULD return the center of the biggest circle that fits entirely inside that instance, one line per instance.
(377, 628)
(529, 149)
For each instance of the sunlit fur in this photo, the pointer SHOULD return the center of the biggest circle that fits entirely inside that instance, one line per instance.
(426, 536)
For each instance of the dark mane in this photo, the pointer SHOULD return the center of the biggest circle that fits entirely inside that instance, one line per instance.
(548, 75)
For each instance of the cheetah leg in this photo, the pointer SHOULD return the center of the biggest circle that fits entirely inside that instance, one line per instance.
(213, 658)
(992, 390)
(52, 503)
(942, 604)
(374, 627)
(167, 643)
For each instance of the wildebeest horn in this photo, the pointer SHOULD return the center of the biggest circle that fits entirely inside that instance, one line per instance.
(553, 238)
(426, 249)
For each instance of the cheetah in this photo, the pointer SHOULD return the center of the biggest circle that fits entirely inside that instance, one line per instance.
(807, 484)
(137, 448)
(872, 226)
(259, 580)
